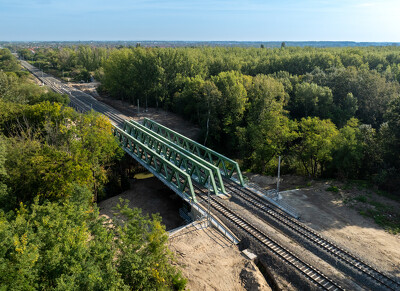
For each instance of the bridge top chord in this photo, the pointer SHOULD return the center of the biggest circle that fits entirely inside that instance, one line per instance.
(177, 179)
(200, 172)
(227, 166)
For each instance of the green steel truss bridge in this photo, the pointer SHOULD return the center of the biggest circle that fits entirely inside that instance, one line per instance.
(175, 159)
(227, 166)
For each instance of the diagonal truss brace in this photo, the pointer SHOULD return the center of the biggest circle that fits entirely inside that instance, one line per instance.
(227, 166)
(178, 156)
(170, 174)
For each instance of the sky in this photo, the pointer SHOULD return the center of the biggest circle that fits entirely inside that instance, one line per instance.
(200, 20)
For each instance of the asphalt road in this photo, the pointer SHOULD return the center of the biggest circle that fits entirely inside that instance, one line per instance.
(80, 100)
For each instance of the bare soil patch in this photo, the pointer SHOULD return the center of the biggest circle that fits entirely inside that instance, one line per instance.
(152, 196)
(211, 262)
(331, 214)
(269, 182)
(210, 266)
(205, 256)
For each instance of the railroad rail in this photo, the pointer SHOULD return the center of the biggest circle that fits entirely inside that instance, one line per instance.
(141, 150)
(75, 96)
(310, 235)
(283, 253)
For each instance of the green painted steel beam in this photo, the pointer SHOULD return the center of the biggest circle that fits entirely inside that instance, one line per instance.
(227, 166)
(216, 173)
(175, 178)
(178, 156)
(215, 170)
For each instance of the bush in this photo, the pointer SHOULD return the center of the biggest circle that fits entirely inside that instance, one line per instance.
(333, 189)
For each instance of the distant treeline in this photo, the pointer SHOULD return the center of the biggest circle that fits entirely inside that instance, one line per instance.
(174, 44)
(331, 112)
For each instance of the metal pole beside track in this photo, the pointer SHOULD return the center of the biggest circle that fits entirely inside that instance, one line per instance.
(279, 175)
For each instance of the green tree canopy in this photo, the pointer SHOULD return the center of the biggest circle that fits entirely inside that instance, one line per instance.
(315, 144)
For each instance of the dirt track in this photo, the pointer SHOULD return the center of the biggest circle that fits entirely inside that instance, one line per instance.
(211, 262)
(206, 258)
(326, 212)
(152, 196)
(323, 211)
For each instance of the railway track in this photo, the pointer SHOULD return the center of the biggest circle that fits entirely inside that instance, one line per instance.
(251, 198)
(79, 100)
(310, 235)
(312, 274)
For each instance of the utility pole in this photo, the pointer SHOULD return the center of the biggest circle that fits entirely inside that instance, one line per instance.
(138, 107)
(279, 175)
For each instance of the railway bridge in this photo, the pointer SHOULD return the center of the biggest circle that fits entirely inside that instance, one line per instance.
(182, 164)
(199, 175)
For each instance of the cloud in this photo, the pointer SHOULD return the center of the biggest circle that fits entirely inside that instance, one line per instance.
(370, 4)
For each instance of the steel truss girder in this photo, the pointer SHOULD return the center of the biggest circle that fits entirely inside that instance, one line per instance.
(191, 164)
(227, 166)
(175, 178)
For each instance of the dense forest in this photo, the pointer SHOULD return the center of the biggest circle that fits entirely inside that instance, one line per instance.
(54, 164)
(329, 112)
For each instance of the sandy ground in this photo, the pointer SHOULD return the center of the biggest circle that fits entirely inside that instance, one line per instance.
(206, 258)
(327, 213)
(211, 262)
(152, 196)
(323, 211)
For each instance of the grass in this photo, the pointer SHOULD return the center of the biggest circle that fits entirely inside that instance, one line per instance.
(383, 215)
(333, 189)
(365, 185)
(300, 187)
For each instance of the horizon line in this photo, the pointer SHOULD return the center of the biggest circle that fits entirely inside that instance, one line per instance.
(134, 40)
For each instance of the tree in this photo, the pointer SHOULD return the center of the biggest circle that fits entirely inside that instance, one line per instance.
(8, 84)
(143, 257)
(345, 110)
(372, 91)
(348, 153)
(372, 151)
(268, 129)
(118, 79)
(198, 101)
(57, 246)
(51, 148)
(393, 143)
(3, 172)
(36, 169)
(316, 140)
(67, 59)
(69, 246)
(8, 63)
(374, 95)
(232, 103)
(311, 100)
